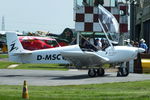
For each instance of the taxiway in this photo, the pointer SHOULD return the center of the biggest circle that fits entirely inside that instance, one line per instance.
(54, 78)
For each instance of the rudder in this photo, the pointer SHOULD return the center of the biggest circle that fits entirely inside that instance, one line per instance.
(13, 43)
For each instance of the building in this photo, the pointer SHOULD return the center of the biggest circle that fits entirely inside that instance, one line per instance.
(142, 20)
(86, 15)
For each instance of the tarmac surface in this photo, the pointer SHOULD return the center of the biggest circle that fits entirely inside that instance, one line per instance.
(54, 78)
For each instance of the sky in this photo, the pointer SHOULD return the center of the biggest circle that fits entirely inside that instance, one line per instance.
(37, 15)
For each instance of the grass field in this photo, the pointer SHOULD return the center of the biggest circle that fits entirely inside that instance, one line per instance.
(42, 66)
(5, 64)
(3, 55)
(111, 91)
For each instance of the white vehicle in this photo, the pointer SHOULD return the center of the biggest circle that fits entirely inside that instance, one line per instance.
(72, 54)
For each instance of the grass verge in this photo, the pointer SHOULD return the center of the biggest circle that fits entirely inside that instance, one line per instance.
(3, 55)
(42, 66)
(5, 64)
(109, 91)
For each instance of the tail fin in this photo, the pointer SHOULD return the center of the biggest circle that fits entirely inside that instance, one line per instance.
(13, 43)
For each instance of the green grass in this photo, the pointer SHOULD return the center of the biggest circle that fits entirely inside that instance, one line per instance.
(109, 91)
(42, 66)
(5, 64)
(3, 55)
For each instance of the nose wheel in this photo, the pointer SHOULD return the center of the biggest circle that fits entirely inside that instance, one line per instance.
(96, 72)
(123, 72)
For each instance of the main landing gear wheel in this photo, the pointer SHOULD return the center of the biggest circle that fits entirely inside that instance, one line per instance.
(93, 72)
(100, 72)
(123, 72)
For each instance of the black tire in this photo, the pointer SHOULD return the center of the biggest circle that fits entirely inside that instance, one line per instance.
(92, 72)
(100, 72)
(124, 71)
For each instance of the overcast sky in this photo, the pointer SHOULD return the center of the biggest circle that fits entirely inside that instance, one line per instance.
(34, 15)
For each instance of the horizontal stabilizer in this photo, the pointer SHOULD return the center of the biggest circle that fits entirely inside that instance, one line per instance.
(25, 52)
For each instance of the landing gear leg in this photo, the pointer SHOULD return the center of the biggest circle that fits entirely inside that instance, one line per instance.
(123, 70)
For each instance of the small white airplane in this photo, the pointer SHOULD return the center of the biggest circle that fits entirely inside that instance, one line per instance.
(73, 54)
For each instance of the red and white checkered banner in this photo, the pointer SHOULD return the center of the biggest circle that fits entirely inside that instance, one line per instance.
(86, 19)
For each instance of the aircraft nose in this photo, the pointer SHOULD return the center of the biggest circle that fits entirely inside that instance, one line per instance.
(140, 50)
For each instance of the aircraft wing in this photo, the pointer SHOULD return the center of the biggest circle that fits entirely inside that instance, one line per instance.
(80, 58)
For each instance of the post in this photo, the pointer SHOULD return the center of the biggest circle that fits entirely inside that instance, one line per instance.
(78, 37)
(25, 94)
(121, 39)
(132, 20)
